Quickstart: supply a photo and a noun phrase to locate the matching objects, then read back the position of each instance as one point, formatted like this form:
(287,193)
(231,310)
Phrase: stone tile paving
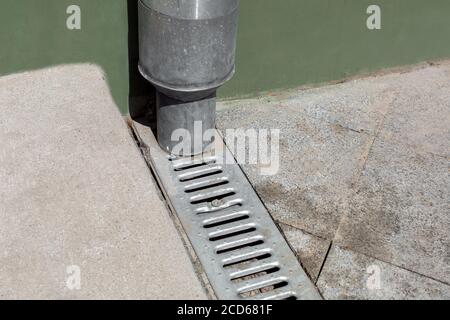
(317,166)
(364,165)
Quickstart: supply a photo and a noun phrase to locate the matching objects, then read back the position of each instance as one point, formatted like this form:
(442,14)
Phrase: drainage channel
(242,251)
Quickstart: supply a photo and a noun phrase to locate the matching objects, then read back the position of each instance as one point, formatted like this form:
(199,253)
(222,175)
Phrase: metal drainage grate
(241,249)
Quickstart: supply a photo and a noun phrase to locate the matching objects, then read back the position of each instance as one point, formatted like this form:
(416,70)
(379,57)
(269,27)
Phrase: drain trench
(240,248)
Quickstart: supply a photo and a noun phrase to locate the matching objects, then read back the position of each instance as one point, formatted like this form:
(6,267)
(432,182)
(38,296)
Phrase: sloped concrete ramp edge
(80,216)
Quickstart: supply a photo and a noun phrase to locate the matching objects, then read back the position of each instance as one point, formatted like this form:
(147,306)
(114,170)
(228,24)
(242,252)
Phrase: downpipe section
(187,51)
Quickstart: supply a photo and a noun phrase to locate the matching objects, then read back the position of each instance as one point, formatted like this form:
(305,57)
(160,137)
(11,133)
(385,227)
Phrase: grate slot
(234,231)
(249,244)
(277,294)
(224,219)
(245,261)
(257,252)
(200,173)
(249,238)
(228,204)
(182,165)
(265,282)
(206,184)
(210,196)
(253,268)
(230,228)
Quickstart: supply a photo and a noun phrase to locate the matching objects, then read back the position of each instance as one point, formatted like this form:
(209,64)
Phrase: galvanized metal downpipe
(187,51)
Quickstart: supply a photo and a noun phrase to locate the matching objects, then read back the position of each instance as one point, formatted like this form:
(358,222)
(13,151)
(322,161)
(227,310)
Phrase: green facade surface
(288,43)
(281,43)
(33,34)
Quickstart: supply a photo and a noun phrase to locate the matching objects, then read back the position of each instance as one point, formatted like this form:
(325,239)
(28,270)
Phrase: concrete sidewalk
(77,200)
(363,189)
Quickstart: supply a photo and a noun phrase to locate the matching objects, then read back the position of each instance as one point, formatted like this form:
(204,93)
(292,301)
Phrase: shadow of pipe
(141,99)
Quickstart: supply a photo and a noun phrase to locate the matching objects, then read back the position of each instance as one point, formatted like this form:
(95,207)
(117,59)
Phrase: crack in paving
(324,261)
(365,157)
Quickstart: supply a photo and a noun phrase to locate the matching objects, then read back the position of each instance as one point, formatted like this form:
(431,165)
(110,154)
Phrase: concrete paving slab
(350,275)
(310,249)
(78,206)
(318,162)
(401,210)
(420,116)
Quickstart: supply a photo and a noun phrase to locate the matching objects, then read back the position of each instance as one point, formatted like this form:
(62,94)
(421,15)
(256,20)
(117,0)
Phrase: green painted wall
(287,43)
(281,44)
(33,34)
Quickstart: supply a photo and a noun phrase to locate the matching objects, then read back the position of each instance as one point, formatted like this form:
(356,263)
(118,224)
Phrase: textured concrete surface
(400,210)
(75,191)
(364,164)
(419,118)
(350,275)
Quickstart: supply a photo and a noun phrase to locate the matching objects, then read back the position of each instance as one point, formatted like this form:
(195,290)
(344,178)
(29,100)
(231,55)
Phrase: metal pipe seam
(193,9)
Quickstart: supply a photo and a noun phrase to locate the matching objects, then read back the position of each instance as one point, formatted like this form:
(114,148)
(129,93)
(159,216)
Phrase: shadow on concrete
(142,93)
